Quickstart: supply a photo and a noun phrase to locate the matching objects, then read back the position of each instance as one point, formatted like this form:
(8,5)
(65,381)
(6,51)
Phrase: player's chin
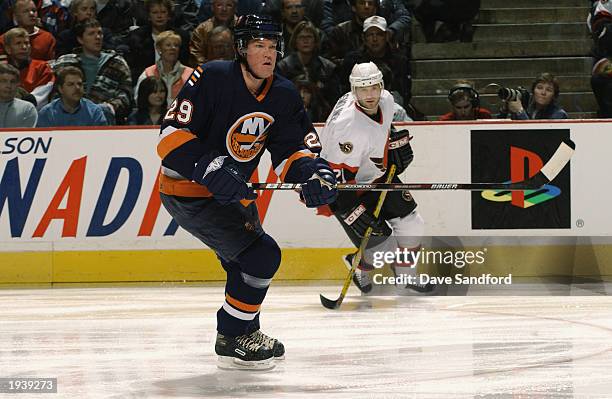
(266,69)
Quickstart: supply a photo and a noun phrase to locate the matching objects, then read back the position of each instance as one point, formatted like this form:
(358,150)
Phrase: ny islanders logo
(246,137)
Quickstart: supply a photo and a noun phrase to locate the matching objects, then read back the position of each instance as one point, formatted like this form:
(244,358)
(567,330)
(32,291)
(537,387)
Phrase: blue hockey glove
(223,180)
(320,188)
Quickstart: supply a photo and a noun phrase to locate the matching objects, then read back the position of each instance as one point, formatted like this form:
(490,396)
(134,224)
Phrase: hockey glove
(400,152)
(359,219)
(320,188)
(223,179)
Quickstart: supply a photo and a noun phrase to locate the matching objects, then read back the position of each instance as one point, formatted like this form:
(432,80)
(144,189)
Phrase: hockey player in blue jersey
(211,140)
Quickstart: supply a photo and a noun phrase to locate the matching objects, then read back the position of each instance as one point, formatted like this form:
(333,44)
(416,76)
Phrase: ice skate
(278,349)
(243,353)
(361,278)
(416,286)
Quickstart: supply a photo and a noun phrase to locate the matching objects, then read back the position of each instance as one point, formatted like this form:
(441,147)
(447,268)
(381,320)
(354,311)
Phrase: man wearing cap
(394,65)
(347,35)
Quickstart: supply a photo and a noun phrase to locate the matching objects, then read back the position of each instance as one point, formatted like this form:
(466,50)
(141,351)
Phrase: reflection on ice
(158,342)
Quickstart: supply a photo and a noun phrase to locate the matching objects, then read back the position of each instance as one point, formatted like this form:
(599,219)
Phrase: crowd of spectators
(118,45)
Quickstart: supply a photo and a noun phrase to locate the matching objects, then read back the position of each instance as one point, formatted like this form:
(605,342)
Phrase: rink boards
(82,206)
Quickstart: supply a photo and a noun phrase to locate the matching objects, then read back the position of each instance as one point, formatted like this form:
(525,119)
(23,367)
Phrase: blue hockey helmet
(250,27)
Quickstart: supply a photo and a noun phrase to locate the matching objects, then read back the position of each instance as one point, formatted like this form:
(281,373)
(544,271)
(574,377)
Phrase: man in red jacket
(26,17)
(36,76)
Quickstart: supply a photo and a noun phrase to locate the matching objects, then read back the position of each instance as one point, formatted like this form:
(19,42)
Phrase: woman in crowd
(168,68)
(142,41)
(306,61)
(543,102)
(151,102)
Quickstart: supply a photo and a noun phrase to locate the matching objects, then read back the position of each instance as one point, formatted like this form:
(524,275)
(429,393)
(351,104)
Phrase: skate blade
(232,363)
(279,357)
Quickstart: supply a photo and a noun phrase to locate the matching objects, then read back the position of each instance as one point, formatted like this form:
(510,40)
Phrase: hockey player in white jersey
(359,143)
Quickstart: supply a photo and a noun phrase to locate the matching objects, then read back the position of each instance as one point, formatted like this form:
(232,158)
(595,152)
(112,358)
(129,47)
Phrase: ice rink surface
(145,342)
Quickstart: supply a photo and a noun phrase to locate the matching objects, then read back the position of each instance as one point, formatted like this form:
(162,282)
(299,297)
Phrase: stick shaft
(404,186)
(549,171)
(364,243)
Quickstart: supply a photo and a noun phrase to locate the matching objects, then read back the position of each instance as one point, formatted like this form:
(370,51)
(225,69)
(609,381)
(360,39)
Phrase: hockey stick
(331,304)
(548,172)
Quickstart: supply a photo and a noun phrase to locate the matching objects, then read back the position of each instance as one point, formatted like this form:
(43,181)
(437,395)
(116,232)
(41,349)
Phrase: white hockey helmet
(366,74)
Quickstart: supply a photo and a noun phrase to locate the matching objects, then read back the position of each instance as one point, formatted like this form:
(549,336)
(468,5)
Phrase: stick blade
(560,158)
(329,304)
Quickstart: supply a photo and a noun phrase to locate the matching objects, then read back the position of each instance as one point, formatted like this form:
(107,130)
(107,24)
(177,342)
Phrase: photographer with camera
(541,104)
(465,103)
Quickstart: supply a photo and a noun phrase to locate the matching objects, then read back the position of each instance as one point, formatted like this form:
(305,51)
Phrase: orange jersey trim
(245,307)
(295,156)
(181,187)
(173,141)
(265,90)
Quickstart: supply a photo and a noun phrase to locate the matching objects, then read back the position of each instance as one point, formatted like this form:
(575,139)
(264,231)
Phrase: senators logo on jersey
(246,137)
(346,148)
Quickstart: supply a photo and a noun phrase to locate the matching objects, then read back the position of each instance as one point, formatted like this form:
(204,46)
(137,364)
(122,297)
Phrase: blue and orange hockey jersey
(216,114)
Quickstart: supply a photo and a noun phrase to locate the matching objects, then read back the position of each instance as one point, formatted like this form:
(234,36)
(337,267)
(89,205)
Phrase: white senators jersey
(353,143)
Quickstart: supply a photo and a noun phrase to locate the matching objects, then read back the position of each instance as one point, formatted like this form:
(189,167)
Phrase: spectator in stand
(600,25)
(53,14)
(542,103)
(243,7)
(224,13)
(400,114)
(293,12)
(220,44)
(337,11)
(108,81)
(313,10)
(13,111)
(446,20)
(22,94)
(6,15)
(375,48)
(306,61)
(80,10)
(168,68)
(71,109)
(316,107)
(42,42)
(184,14)
(35,76)
(151,102)
(348,35)
(465,103)
(116,15)
(141,42)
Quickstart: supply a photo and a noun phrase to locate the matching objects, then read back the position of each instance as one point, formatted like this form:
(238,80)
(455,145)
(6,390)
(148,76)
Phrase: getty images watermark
(423,256)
